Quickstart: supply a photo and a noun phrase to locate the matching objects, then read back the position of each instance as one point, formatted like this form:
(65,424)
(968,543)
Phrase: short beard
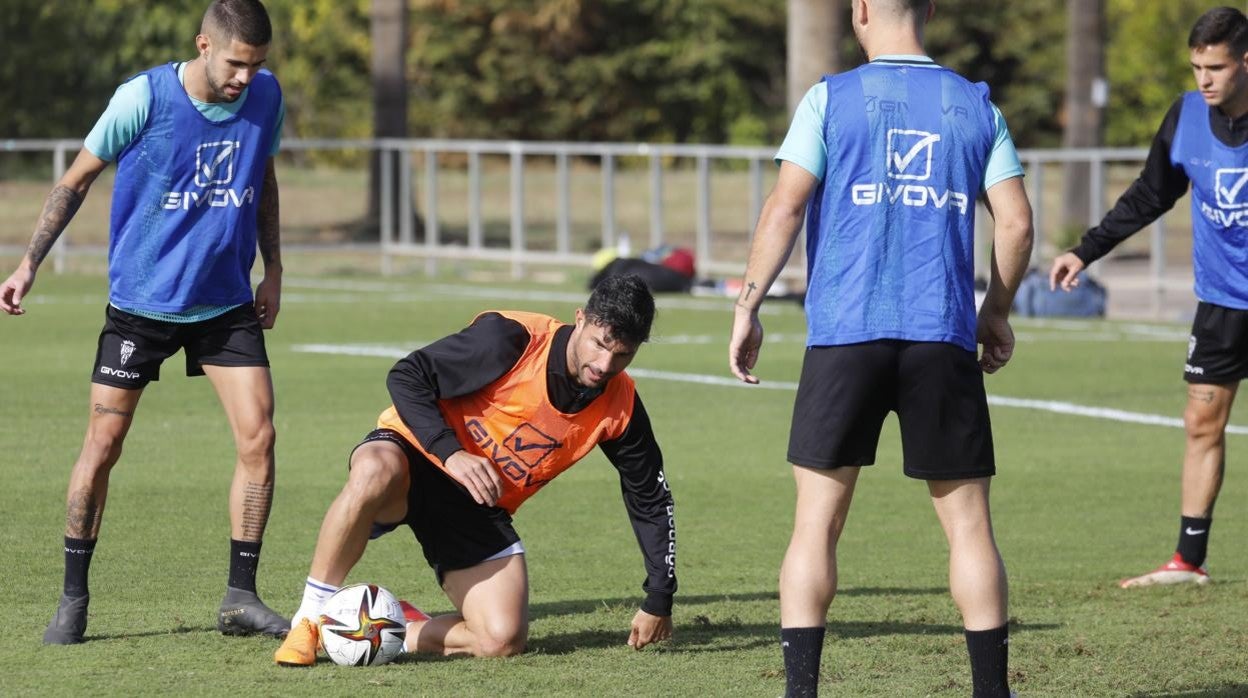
(218,91)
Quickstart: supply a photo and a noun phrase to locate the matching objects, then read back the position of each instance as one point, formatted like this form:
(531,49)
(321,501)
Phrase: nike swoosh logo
(1189,530)
(1233,193)
(901,163)
(225,153)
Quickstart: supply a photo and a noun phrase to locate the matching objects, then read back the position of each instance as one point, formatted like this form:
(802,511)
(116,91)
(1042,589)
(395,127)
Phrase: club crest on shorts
(127,349)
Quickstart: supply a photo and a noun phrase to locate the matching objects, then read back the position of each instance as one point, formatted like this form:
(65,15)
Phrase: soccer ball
(362,625)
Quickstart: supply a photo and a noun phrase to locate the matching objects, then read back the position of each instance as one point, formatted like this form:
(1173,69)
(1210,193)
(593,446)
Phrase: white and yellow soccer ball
(362,625)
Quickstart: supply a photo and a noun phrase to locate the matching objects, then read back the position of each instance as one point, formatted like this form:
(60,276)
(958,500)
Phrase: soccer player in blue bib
(1203,141)
(195,194)
(886,161)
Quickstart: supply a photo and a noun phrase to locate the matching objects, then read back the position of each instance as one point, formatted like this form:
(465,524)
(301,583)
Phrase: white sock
(315,594)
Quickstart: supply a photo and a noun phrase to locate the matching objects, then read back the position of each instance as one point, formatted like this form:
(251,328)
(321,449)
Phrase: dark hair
(244,20)
(1221,25)
(624,305)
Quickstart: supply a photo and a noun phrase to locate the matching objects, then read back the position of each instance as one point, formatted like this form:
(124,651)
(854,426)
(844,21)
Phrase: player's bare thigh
(246,394)
(380,473)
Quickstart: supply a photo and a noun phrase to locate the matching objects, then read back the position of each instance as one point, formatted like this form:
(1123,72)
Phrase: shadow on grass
(1229,690)
(578,606)
(699,632)
(180,630)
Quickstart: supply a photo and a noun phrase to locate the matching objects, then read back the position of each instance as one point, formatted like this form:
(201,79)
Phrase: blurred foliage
(1018,49)
(606,70)
(1147,62)
(589,70)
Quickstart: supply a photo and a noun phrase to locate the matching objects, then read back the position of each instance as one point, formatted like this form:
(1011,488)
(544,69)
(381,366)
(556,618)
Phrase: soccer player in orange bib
(481,420)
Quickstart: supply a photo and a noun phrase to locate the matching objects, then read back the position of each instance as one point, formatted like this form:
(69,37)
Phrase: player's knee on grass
(502,639)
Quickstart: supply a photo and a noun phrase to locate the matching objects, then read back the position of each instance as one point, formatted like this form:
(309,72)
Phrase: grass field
(1079,502)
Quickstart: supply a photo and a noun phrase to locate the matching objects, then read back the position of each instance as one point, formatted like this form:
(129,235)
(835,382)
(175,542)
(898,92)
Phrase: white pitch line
(1055,406)
(403,293)
(385,351)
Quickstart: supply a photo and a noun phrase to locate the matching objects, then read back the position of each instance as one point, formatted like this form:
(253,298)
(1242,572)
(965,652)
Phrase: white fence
(420,166)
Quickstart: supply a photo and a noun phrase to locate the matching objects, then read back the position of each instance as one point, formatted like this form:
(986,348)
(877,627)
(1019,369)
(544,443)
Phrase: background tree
(388,24)
(643,70)
(613,70)
(814,32)
(1085,99)
(1016,48)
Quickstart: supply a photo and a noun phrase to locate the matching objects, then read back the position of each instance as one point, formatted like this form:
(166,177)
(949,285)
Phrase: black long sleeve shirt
(469,360)
(1159,185)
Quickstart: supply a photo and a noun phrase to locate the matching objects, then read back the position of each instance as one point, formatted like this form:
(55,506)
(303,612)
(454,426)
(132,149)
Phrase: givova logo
(214,163)
(522,450)
(908,157)
(1231,185)
(214,172)
(910,153)
(530,445)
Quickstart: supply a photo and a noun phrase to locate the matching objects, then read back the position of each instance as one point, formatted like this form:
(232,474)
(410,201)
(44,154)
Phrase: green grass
(1078,503)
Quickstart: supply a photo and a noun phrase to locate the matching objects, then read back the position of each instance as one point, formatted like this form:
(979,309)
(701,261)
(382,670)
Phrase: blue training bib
(1219,177)
(186,197)
(890,229)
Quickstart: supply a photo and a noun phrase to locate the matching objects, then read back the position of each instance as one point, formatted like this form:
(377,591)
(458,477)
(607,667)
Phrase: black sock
(802,649)
(1193,539)
(77,563)
(244,559)
(989,650)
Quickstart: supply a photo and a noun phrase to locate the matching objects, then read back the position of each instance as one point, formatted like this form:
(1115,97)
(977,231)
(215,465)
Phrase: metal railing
(719,247)
(397,235)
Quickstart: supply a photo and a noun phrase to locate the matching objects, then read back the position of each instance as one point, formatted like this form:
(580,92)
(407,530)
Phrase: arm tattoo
(104,409)
(750,288)
(257,500)
(267,219)
(60,206)
(82,518)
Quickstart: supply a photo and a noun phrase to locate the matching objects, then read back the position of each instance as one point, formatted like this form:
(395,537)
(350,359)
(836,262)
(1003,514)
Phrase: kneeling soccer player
(481,420)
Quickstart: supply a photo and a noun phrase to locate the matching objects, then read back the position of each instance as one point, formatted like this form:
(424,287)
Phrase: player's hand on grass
(649,628)
(268,301)
(1065,272)
(995,333)
(14,289)
(477,475)
(747,339)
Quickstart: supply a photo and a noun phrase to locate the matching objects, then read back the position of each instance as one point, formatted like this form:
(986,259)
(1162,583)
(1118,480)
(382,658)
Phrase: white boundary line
(1055,406)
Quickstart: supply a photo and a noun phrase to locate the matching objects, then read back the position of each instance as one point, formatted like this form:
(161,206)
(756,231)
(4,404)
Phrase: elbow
(1019,234)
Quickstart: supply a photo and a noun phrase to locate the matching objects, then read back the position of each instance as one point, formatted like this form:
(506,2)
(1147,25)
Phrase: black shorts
(936,389)
(453,530)
(131,348)
(1217,351)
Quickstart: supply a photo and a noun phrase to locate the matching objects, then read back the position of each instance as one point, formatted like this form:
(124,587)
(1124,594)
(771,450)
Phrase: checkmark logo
(530,445)
(214,163)
(521,445)
(1229,182)
(1193,532)
(905,146)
